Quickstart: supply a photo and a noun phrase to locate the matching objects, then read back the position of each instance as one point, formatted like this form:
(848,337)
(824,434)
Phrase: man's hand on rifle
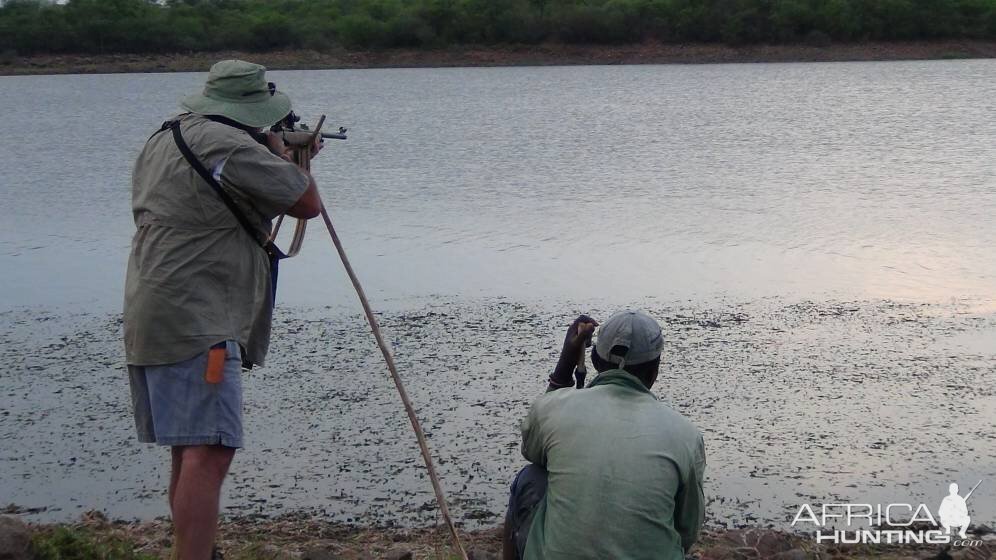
(317,146)
(275,142)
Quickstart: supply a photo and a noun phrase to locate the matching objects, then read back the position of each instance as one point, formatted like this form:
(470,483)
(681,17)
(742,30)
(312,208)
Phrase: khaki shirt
(625,473)
(195,276)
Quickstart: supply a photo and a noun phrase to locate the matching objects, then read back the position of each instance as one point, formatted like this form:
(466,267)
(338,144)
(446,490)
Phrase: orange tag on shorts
(215,372)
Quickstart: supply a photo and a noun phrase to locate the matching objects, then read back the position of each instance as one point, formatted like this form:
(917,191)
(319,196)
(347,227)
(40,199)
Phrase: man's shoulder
(202,129)
(677,422)
(553,399)
(204,136)
(583,401)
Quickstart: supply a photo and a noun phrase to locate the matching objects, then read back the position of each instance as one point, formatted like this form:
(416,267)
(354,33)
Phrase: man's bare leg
(507,545)
(176,454)
(196,499)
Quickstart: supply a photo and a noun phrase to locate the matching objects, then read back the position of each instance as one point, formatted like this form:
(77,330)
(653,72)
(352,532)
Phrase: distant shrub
(817,38)
(518,23)
(408,30)
(590,24)
(360,31)
(273,31)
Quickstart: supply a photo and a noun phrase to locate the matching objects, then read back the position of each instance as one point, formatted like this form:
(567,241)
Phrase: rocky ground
(522,55)
(299,537)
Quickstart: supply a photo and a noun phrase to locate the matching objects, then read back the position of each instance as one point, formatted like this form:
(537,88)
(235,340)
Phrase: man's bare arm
(310,203)
(577,338)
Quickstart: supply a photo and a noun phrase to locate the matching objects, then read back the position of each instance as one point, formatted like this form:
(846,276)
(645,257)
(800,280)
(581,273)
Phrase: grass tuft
(71,543)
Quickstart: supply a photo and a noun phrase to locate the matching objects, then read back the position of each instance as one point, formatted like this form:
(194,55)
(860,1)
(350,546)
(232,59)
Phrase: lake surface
(856,180)
(818,239)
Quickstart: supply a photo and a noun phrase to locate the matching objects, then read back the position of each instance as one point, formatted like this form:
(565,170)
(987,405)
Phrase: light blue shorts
(174,405)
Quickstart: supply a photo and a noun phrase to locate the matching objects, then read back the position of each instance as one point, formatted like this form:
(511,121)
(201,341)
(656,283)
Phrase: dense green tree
(138,26)
(840,19)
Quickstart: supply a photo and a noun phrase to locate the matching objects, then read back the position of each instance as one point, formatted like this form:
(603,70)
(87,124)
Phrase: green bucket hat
(237,90)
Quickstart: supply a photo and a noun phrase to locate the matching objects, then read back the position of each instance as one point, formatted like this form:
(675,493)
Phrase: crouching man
(615,473)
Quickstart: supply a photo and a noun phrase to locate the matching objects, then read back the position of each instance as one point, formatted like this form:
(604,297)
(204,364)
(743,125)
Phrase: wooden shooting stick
(423,445)
(375,327)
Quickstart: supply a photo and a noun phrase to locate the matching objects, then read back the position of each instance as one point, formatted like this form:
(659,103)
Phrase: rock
(982,552)
(399,553)
(272,552)
(319,553)
(15,539)
(481,554)
(749,544)
(794,554)
(94,517)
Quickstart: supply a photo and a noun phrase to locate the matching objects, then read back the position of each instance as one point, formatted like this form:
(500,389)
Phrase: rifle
(972,490)
(300,139)
(297,135)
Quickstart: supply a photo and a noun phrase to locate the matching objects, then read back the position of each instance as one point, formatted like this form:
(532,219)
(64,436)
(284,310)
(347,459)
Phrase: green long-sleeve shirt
(625,473)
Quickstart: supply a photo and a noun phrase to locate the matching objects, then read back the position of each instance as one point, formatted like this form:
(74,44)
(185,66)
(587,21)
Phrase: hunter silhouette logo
(893,523)
(953,511)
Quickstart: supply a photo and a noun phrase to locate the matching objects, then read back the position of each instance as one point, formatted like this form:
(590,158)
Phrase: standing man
(199,293)
(615,473)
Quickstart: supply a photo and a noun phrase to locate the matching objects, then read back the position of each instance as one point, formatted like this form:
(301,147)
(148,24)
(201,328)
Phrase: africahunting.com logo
(900,523)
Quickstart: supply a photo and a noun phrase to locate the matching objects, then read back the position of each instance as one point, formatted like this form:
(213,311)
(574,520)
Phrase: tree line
(149,26)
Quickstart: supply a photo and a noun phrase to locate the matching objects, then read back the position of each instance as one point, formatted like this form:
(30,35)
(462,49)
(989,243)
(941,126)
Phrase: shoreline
(311,435)
(298,537)
(548,54)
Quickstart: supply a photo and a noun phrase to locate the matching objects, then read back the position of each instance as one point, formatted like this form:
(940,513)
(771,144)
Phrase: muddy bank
(298,537)
(524,55)
(873,402)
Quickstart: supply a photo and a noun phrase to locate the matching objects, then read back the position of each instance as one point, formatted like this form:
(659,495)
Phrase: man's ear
(653,376)
(600,364)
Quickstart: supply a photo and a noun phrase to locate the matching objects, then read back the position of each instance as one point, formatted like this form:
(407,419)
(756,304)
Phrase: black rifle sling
(206,175)
(273,253)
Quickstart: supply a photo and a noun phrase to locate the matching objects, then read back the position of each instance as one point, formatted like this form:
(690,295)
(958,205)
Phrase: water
(853,180)
(786,192)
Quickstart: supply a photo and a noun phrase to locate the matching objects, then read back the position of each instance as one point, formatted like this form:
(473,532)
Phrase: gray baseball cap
(635,331)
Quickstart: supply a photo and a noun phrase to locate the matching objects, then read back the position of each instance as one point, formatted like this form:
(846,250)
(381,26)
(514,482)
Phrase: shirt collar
(621,378)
